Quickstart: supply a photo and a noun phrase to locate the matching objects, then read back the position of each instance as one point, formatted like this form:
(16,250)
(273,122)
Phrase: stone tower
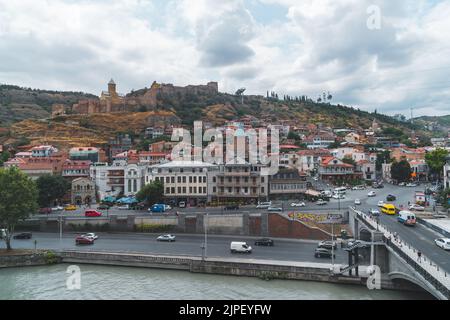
(112,88)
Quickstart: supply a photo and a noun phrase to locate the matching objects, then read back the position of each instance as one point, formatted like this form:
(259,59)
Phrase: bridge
(397,259)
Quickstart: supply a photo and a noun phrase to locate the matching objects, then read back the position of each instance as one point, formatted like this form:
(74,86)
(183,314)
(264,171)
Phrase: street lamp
(205,243)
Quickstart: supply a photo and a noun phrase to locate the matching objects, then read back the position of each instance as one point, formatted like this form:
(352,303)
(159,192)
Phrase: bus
(388,209)
(407,218)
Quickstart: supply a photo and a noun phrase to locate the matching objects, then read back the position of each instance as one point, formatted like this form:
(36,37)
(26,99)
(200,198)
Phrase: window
(172,179)
(214,179)
(179,180)
(190,179)
(167,190)
(195,179)
(184,189)
(179,189)
(167,179)
(184,179)
(172,190)
(214,189)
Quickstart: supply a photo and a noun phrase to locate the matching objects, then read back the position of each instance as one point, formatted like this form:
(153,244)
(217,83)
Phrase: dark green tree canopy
(401,171)
(51,188)
(436,160)
(151,193)
(18,199)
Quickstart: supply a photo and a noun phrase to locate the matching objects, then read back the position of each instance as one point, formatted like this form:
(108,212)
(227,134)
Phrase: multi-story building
(419,170)
(322,140)
(83,191)
(447,173)
(241,181)
(367,169)
(87,154)
(151,158)
(310,159)
(73,169)
(134,178)
(409,154)
(187,181)
(336,171)
(287,183)
(109,179)
(119,144)
(43,151)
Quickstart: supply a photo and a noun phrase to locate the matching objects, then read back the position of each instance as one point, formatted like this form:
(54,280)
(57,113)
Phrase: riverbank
(26,258)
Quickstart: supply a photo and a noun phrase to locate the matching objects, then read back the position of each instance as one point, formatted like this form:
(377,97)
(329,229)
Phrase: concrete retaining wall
(27,259)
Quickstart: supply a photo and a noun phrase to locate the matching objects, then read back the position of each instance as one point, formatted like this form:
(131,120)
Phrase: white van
(240,247)
(2,233)
(340,190)
(407,218)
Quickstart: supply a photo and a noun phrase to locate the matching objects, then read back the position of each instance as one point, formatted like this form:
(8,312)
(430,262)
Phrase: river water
(108,282)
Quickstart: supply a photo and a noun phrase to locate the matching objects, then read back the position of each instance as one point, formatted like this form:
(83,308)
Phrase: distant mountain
(17,103)
(443,121)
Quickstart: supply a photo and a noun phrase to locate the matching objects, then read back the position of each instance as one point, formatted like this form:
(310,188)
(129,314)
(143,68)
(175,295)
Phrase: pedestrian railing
(430,271)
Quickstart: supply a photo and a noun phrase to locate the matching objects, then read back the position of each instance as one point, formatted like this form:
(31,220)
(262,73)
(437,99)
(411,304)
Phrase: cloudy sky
(296,47)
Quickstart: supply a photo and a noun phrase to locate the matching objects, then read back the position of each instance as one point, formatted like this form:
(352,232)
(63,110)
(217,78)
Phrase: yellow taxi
(70,207)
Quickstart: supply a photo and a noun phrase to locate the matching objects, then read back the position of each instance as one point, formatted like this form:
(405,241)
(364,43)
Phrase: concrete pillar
(130,223)
(113,223)
(265,224)
(382,258)
(182,223)
(199,225)
(356,229)
(245,224)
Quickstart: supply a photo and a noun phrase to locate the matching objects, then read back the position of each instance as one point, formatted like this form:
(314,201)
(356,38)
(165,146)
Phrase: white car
(321,202)
(298,204)
(380,203)
(57,208)
(166,237)
(167,207)
(338,196)
(374,212)
(411,185)
(443,243)
(124,207)
(264,205)
(91,235)
(416,207)
(372,194)
(275,209)
(357,201)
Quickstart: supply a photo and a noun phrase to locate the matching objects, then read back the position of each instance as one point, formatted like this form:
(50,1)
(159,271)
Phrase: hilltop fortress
(111,101)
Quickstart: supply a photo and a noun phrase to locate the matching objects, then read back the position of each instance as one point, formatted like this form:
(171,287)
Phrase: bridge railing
(431,271)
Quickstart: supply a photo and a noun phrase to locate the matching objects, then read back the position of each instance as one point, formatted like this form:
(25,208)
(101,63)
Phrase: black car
(232,207)
(323,253)
(264,242)
(25,235)
(391,197)
(327,244)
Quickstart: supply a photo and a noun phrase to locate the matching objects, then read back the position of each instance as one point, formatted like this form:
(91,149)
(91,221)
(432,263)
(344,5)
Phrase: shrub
(153,227)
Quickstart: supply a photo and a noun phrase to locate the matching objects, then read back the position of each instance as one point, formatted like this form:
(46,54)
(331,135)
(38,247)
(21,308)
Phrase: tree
(51,188)
(18,199)
(382,157)
(4,156)
(436,161)
(349,160)
(152,192)
(401,171)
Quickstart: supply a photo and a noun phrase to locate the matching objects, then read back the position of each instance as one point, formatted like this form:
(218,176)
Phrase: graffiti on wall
(316,217)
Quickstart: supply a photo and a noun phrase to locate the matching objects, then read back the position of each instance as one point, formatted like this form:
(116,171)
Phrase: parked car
(92,213)
(264,205)
(231,207)
(57,208)
(275,209)
(357,202)
(264,242)
(45,210)
(124,207)
(443,243)
(167,207)
(416,207)
(24,235)
(166,237)
(323,253)
(391,197)
(380,203)
(91,235)
(327,244)
(361,187)
(374,212)
(157,207)
(402,184)
(298,204)
(372,194)
(182,204)
(240,247)
(83,240)
(103,207)
(411,184)
(338,196)
(70,207)
(321,202)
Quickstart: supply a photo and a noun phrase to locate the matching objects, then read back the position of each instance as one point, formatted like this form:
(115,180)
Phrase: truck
(240,247)
(420,198)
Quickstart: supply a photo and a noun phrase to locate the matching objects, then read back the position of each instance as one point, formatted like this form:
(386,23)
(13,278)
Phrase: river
(108,282)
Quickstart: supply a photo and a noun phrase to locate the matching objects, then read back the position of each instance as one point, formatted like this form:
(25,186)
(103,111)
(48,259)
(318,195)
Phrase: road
(218,246)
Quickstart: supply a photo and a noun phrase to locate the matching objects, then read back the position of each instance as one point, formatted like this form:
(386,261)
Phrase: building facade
(83,191)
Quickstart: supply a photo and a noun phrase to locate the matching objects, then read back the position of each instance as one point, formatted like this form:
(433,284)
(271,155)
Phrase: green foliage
(4,156)
(151,193)
(382,157)
(51,188)
(50,257)
(18,199)
(436,160)
(443,198)
(401,171)
(349,160)
(142,227)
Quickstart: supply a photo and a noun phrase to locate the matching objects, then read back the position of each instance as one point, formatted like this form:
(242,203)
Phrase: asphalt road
(218,246)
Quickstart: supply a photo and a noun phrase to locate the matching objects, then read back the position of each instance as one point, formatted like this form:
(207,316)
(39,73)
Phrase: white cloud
(320,45)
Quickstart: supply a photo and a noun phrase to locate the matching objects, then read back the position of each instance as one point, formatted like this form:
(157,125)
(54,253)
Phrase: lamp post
(205,243)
